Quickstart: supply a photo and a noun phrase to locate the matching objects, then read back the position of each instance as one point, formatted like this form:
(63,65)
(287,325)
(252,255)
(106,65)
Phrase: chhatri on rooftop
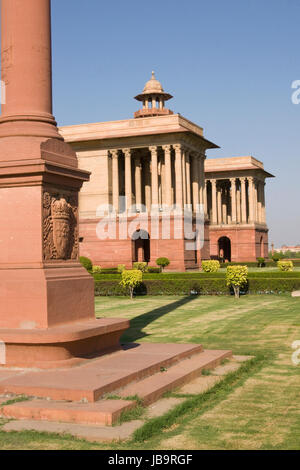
(152,119)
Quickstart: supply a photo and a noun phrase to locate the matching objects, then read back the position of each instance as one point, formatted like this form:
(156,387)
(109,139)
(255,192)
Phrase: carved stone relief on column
(60,226)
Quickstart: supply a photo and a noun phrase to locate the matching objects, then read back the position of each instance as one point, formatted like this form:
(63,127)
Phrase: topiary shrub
(210,266)
(131,278)
(141,266)
(163,262)
(121,268)
(237,278)
(86,263)
(261,262)
(285,265)
(97,269)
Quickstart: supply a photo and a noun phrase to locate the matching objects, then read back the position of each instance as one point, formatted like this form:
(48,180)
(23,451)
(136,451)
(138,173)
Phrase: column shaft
(219,201)
(154,175)
(138,183)
(244,201)
(251,200)
(128,178)
(214,201)
(26,69)
(184,184)
(115,179)
(178,175)
(195,181)
(188,178)
(168,175)
(233,201)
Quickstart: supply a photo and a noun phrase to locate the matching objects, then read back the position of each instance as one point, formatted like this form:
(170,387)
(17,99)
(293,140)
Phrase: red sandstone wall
(245,242)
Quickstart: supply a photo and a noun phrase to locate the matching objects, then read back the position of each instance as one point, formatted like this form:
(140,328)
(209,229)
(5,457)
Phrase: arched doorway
(141,246)
(224,245)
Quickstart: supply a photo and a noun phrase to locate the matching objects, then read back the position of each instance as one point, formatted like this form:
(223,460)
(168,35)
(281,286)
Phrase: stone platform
(97,392)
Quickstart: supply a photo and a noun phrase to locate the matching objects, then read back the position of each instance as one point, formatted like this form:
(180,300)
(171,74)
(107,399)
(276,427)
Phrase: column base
(61,346)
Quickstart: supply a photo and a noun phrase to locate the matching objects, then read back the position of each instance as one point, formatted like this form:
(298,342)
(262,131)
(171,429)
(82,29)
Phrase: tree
(131,278)
(162,262)
(237,277)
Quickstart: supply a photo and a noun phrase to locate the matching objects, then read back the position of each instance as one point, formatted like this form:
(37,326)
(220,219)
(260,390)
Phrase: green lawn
(257,408)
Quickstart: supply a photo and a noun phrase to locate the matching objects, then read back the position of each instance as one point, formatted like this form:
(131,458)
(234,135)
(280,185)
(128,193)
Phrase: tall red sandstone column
(46,296)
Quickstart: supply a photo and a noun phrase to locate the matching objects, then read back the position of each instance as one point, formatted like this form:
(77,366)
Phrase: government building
(148,173)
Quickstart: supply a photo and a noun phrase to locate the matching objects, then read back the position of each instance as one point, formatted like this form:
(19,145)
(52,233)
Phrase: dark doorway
(141,246)
(224,249)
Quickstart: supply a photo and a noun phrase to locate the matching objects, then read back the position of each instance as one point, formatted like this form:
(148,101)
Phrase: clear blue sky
(229,65)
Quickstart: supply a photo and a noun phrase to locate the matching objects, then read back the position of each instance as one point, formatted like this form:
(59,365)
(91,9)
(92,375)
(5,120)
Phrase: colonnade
(235,200)
(157,176)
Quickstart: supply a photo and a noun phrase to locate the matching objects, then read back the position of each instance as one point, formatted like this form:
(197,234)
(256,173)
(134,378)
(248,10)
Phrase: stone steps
(100,376)
(104,412)
(107,411)
(152,388)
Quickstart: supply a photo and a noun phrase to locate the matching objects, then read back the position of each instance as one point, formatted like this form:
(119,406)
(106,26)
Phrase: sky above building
(229,65)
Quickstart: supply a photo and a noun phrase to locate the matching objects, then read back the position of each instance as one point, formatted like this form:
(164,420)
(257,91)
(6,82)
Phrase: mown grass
(256,407)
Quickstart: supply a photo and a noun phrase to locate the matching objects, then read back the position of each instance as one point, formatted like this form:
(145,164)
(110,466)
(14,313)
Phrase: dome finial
(153,75)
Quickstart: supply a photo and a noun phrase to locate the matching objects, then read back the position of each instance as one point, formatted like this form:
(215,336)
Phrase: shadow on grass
(137,324)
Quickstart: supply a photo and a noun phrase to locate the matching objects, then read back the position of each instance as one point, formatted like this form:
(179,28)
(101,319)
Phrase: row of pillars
(243,201)
(189,182)
(156,102)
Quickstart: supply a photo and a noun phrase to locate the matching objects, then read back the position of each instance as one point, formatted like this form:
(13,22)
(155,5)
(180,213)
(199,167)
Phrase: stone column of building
(128,178)
(238,203)
(168,176)
(259,201)
(255,191)
(138,183)
(214,216)
(243,201)
(224,199)
(251,200)
(188,178)
(154,175)
(115,179)
(205,199)
(184,181)
(219,202)
(201,178)
(178,175)
(147,182)
(263,203)
(233,201)
(195,180)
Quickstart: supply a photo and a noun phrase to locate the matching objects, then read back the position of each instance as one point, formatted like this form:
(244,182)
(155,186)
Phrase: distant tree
(163,262)
(236,277)
(131,278)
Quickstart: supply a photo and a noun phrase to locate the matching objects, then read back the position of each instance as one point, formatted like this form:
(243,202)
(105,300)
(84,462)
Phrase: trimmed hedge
(201,276)
(211,286)
(166,287)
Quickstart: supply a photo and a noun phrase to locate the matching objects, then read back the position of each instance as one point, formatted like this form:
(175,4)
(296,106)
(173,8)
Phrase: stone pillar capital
(177,147)
(114,153)
(166,148)
(127,152)
(213,182)
(242,179)
(153,148)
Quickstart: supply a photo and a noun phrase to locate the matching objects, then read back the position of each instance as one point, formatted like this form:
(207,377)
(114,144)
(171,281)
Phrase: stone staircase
(99,391)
